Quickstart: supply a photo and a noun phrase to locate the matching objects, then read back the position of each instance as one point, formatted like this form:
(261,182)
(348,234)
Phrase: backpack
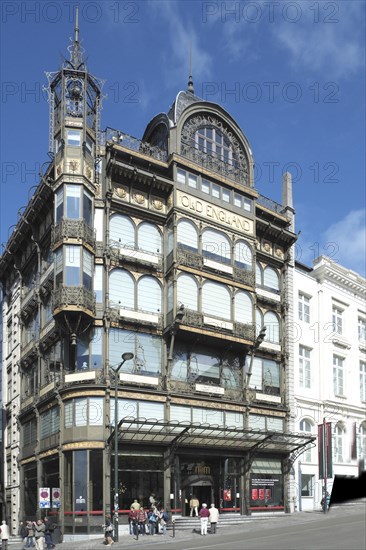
(166,516)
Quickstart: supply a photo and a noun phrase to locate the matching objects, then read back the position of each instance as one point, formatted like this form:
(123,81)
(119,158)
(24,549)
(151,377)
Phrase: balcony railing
(270,204)
(134,144)
(214,164)
(73,229)
(73,296)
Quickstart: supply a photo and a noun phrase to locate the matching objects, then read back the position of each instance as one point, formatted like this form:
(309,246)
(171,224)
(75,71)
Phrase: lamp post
(125,357)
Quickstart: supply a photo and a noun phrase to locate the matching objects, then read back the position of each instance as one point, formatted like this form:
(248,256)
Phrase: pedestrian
(152,520)
(135,505)
(204,515)
(214,518)
(4,533)
(48,531)
(141,520)
(108,531)
(30,535)
(132,520)
(164,518)
(193,504)
(22,532)
(39,529)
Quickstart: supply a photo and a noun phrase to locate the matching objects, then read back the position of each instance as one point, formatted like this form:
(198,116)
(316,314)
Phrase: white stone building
(329,349)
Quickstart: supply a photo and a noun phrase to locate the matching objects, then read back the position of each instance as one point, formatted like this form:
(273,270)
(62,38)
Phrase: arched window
(271,279)
(307,427)
(187,292)
(243,308)
(149,238)
(121,231)
(243,255)
(258,275)
(149,294)
(211,140)
(216,300)
(273,327)
(187,235)
(339,442)
(121,289)
(216,246)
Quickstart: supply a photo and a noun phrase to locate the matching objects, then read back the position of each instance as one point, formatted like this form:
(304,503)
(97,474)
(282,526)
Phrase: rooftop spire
(76,52)
(190,87)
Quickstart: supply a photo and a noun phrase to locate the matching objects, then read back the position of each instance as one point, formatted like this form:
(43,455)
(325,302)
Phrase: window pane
(73,201)
(271,279)
(59,204)
(215,191)
(216,246)
(180,413)
(149,238)
(82,354)
(243,255)
(121,289)
(98,283)
(87,269)
(72,266)
(73,137)
(81,412)
(96,348)
(88,208)
(216,300)
(187,235)
(273,328)
(205,367)
(149,295)
(243,308)
(95,411)
(225,195)
(187,292)
(121,231)
(181,176)
(205,186)
(192,181)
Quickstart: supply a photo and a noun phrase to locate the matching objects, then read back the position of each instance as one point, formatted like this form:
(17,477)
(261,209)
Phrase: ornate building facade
(330,372)
(161,248)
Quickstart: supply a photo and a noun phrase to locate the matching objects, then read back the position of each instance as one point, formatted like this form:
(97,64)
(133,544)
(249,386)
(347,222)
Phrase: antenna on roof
(190,87)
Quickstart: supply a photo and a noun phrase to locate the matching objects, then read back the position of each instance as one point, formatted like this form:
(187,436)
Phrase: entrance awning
(167,433)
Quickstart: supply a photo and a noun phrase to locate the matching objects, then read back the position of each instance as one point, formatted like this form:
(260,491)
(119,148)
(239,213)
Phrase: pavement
(191,539)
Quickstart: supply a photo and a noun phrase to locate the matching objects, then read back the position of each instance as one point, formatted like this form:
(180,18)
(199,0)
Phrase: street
(343,528)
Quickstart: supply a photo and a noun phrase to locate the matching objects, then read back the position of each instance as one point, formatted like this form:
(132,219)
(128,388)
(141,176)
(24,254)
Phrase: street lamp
(125,357)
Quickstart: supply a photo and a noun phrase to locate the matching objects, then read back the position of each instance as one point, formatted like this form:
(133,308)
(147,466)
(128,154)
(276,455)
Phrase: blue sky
(291,73)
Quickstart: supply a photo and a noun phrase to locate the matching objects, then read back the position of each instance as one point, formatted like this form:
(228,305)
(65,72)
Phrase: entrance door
(204,494)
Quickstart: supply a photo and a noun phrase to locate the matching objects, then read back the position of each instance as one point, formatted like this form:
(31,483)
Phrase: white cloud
(325,42)
(345,241)
(180,38)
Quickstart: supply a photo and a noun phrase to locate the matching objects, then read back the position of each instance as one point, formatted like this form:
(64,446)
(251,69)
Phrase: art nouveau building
(163,248)
(330,370)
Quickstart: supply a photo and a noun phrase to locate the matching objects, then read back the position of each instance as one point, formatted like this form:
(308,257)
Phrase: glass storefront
(141,474)
(266,484)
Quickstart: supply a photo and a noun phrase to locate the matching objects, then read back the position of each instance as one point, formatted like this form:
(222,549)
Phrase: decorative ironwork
(238,170)
(270,204)
(134,144)
(246,331)
(134,255)
(77,296)
(192,318)
(73,229)
(244,276)
(188,258)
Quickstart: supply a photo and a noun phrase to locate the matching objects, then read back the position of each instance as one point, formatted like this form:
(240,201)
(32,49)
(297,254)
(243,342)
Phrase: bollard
(173,523)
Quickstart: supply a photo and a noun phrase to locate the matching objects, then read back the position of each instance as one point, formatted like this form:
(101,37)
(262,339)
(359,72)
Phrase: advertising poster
(254,494)
(227,494)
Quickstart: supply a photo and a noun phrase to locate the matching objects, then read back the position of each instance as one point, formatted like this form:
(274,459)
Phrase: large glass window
(271,279)
(307,485)
(84,411)
(187,235)
(304,367)
(87,269)
(306,427)
(273,327)
(265,376)
(243,307)
(304,308)
(216,300)
(243,255)
(50,422)
(149,238)
(339,442)
(216,246)
(337,318)
(187,291)
(72,202)
(121,231)
(72,265)
(121,289)
(338,375)
(149,294)
(361,329)
(145,347)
